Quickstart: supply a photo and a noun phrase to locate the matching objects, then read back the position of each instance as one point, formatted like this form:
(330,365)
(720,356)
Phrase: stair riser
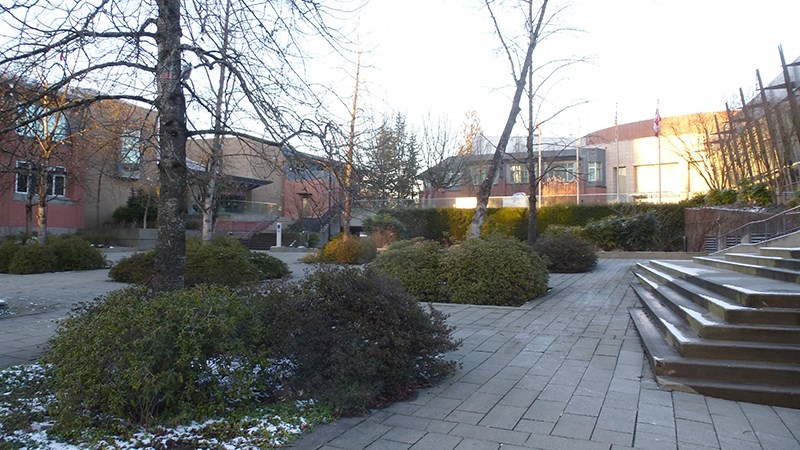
(753,300)
(727,373)
(787,399)
(737,316)
(780,252)
(722,332)
(791,264)
(760,271)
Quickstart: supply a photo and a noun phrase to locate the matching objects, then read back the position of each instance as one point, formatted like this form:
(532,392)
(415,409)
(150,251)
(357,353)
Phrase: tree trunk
(479,216)
(215,164)
(41,214)
(170,258)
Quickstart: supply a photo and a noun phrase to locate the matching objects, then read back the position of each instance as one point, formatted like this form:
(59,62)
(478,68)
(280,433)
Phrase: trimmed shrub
(635,233)
(145,357)
(72,252)
(135,269)
(8,249)
(348,251)
(223,261)
(269,266)
(32,258)
(566,253)
(508,222)
(354,339)
(493,270)
(415,264)
(720,197)
(383,228)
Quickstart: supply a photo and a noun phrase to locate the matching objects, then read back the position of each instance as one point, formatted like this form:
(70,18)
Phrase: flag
(657,123)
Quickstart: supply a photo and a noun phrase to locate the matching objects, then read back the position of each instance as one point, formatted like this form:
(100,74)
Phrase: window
(595,172)
(52,126)
(480,173)
(27,176)
(517,174)
(130,148)
(563,171)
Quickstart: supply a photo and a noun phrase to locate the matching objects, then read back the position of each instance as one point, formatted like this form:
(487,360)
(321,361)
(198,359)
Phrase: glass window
(51,126)
(131,148)
(562,171)
(27,174)
(595,171)
(517,174)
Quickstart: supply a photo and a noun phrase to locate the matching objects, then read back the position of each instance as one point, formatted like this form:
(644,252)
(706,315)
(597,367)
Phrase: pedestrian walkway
(566,371)
(563,372)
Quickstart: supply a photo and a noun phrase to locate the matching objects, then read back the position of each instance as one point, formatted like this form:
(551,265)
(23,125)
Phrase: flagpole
(616,141)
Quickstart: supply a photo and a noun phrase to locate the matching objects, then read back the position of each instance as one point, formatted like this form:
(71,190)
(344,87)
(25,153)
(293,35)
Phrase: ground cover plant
(217,367)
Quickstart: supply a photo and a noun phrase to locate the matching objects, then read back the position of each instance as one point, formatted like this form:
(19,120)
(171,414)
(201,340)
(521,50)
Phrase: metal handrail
(761,230)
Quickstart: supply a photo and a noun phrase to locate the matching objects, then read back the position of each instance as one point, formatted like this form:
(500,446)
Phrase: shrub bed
(147,357)
(493,270)
(416,265)
(223,261)
(346,251)
(566,253)
(354,339)
(59,254)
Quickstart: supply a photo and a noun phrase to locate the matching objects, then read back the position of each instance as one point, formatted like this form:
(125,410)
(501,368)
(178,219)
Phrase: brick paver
(563,372)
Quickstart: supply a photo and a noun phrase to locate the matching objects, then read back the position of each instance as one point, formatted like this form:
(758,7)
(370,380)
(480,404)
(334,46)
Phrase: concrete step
(690,340)
(782,252)
(763,260)
(724,308)
(730,379)
(744,289)
(792,276)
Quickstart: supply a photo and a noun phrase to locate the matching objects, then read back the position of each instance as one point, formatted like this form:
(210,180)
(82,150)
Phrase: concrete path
(563,372)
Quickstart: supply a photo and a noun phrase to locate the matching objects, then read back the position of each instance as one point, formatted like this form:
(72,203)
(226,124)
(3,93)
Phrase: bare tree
(534,28)
(445,153)
(146,51)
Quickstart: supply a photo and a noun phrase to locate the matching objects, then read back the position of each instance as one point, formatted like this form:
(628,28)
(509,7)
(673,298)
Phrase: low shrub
(493,270)
(415,264)
(269,266)
(32,258)
(348,251)
(566,253)
(8,249)
(135,269)
(223,261)
(72,252)
(384,229)
(353,339)
(640,232)
(146,357)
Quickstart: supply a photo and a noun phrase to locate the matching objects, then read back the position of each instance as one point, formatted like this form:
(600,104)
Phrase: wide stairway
(726,326)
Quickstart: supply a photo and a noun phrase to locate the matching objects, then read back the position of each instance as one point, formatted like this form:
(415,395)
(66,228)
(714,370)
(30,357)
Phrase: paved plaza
(566,371)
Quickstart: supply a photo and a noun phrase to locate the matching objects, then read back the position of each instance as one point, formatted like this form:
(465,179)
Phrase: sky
(441,59)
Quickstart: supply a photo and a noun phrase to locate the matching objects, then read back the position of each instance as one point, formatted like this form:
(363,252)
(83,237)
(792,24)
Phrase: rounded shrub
(72,252)
(348,251)
(8,249)
(32,258)
(135,269)
(353,339)
(223,261)
(566,253)
(493,270)
(416,265)
(142,357)
(384,228)
(268,266)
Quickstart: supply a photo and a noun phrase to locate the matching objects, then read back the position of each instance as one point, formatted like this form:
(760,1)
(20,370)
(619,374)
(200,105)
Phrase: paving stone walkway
(563,372)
